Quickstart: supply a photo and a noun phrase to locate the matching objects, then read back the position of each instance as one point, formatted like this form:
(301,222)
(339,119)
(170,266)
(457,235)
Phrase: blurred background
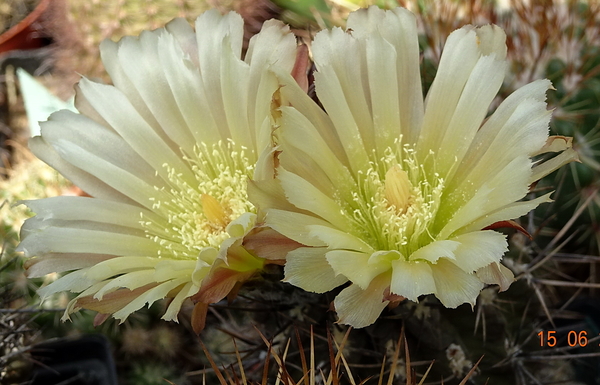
(46,45)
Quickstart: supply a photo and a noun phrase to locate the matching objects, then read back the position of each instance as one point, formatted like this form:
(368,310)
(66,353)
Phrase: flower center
(396,202)
(194,214)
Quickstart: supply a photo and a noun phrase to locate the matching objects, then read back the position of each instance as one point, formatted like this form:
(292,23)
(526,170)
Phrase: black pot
(83,361)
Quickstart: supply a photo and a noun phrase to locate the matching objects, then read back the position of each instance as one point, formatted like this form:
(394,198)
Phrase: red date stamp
(574,338)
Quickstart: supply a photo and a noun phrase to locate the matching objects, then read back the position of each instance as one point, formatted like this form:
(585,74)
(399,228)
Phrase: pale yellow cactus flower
(395,194)
(165,154)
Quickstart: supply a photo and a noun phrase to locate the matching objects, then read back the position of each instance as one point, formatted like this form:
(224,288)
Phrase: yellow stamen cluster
(396,202)
(196,212)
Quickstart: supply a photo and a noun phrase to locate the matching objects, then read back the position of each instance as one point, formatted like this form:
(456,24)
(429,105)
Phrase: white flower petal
(396,95)
(171,269)
(87,182)
(465,84)
(183,32)
(458,59)
(155,54)
(307,268)
(218,36)
(453,286)
(355,266)
(74,282)
(305,196)
(143,139)
(69,208)
(274,45)
(338,239)
(268,193)
(303,138)
(479,249)
(295,226)
(85,108)
(211,30)
(118,62)
(121,265)
(412,279)
(120,179)
(187,119)
(65,127)
(203,265)
(37,225)
(62,262)
(510,211)
(73,306)
(546,168)
(347,107)
(294,95)
(130,281)
(518,126)
(383,87)
(360,308)
(501,189)
(241,225)
(74,240)
(435,250)
(175,306)
(149,297)
(234,75)
(479,91)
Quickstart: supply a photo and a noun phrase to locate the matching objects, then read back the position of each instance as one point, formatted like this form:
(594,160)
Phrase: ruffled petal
(74,282)
(174,307)
(149,297)
(130,281)
(479,249)
(110,304)
(360,308)
(453,286)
